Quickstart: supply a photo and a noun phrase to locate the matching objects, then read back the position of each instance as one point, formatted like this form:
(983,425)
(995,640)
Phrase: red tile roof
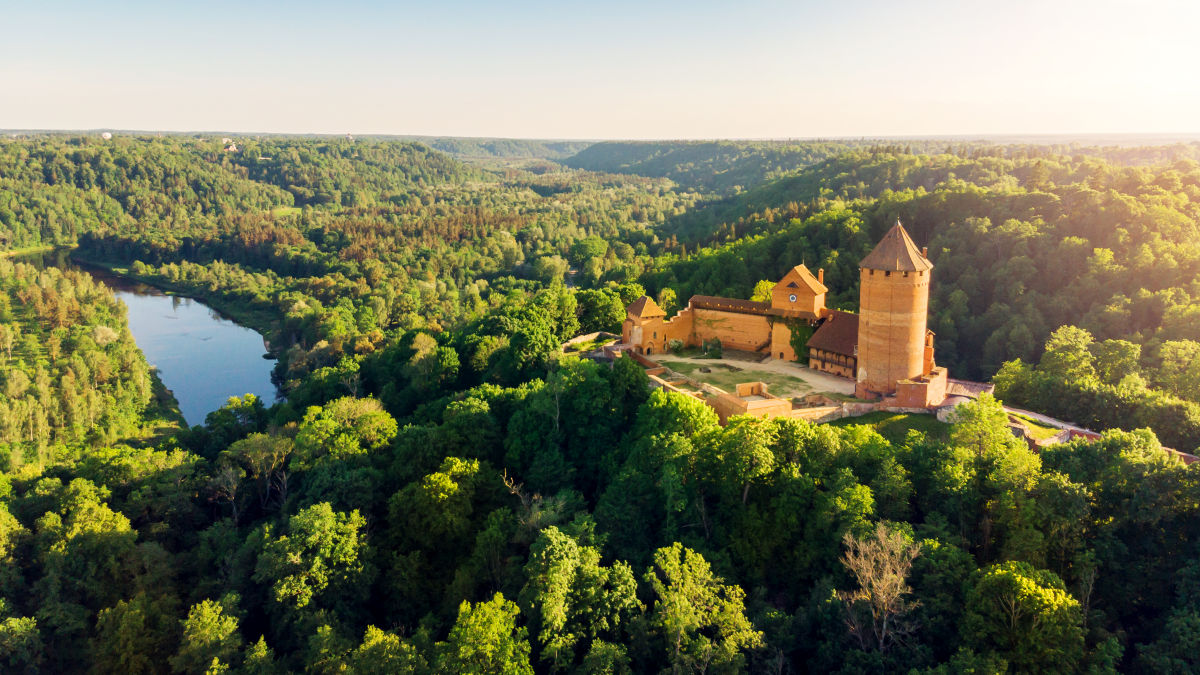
(837,334)
(800,273)
(645,308)
(729,304)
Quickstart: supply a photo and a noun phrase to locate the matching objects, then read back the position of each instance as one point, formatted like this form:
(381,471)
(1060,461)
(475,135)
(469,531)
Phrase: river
(200,355)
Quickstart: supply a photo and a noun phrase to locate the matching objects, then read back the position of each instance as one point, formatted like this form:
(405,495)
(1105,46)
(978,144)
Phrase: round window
(792,297)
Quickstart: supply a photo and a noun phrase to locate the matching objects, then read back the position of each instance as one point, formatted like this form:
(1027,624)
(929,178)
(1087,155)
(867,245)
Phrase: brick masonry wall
(891,328)
(807,303)
(682,328)
(736,331)
(781,342)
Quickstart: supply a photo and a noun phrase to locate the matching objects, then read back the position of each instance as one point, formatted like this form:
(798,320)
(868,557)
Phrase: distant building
(886,348)
(232,147)
(106,136)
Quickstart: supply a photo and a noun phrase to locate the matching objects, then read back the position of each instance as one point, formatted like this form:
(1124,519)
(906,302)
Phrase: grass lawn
(1039,431)
(895,426)
(691,353)
(724,377)
(26,251)
(588,346)
(844,398)
(286,210)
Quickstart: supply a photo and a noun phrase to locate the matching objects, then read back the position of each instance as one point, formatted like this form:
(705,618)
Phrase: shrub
(712,348)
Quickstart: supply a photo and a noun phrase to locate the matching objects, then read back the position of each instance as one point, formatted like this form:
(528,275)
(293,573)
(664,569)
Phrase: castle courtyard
(786,379)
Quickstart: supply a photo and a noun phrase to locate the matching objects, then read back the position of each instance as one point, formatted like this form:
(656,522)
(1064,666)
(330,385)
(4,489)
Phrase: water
(200,355)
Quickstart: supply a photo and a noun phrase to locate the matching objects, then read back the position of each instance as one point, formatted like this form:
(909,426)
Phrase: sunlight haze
(605,70)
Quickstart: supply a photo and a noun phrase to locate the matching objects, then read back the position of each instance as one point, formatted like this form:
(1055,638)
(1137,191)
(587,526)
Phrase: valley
(432,472)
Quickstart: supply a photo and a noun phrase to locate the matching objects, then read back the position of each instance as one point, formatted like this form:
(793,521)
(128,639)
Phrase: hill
(443,490)
(719,167)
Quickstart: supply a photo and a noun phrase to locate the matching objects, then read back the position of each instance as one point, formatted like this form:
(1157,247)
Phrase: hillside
(444,491)
(503,148)
(720,167)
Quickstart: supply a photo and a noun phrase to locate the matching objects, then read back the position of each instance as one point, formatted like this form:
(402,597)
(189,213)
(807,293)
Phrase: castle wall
(692,327)
(648,335)
(682,328)
(925,392)
(750,398)
(893,307)
(748,332)
(781,342)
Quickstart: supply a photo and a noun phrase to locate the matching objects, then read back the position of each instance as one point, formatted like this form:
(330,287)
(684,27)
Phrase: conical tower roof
(896,252)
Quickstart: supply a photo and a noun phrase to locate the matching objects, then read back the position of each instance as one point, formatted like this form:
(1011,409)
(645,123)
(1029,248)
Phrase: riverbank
(162,418)
(32,250)
(203,350)
(261,322)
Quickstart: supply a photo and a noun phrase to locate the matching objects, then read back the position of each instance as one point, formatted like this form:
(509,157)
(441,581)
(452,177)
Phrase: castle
(886,348)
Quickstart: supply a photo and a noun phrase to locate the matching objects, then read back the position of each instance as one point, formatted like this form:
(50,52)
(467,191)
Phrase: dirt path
(820,382)
(1046,419)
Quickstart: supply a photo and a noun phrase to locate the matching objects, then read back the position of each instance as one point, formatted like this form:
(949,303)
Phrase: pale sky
(569,69)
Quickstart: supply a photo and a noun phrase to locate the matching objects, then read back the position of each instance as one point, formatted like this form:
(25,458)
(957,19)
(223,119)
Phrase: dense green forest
(72,373)
(444,491)
(502,148)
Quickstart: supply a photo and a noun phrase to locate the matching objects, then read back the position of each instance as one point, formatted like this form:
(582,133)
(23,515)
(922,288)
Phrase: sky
(605,70)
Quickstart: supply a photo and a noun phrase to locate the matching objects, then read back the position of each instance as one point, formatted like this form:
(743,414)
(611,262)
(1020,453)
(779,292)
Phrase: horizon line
(1047,135)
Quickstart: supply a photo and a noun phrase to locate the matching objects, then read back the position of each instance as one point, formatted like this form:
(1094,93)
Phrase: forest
(444,490)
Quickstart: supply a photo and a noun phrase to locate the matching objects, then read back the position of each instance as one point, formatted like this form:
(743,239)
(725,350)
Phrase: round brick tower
(893,305)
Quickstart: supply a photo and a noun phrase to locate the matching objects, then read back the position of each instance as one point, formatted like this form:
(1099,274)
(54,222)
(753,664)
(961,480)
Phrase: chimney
(821,275)
(924,251)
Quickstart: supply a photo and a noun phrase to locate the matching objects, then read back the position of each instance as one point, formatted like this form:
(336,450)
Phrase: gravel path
(1046,419)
